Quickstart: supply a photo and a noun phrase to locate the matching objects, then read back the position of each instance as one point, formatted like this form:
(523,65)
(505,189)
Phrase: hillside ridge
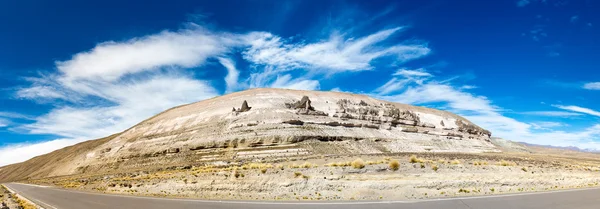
(259,123)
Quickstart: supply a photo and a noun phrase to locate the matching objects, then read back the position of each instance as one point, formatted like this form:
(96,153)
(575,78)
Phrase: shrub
(297,174)
(455,162)
(394,165)
(434,167)
(263,170)
(358,164)
(422,165)
(524,169)
(414,159)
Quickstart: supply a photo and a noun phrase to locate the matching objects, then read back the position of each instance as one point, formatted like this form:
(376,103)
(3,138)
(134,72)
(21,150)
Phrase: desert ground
(404,176)
(9,200)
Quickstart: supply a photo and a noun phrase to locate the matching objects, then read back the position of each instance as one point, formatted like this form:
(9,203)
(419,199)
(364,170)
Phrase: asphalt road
(53,198)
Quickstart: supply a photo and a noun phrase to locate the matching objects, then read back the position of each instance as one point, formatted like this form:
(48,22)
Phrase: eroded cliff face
(280,124)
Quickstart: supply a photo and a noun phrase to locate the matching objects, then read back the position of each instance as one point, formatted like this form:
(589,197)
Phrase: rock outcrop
(244,107)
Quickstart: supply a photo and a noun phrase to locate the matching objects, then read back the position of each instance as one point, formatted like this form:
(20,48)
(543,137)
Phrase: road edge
(21,197)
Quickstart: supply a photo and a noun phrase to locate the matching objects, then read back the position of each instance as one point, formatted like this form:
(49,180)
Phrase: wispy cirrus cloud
(337,54)
(546,125)
(231,80)
(578,109)
(552,113)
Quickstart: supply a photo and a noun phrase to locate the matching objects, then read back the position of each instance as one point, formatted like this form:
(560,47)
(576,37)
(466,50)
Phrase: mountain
(567,148)
(263,123)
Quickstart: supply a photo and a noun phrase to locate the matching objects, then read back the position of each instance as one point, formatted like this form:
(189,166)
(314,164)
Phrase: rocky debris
(472,129)
(244,107)
(304,108)
(294,122)
(173,150)
(401,114)
(105,150)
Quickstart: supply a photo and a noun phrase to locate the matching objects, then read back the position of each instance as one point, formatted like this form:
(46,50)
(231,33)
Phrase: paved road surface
(53,198)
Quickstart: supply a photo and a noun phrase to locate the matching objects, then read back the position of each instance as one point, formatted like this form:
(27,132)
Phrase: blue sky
(77,70)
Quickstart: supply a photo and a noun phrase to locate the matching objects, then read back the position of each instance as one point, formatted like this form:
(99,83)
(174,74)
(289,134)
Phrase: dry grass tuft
(415,159)
(506,163)
(394,165)
(455,162)
(306,165)
(358,164)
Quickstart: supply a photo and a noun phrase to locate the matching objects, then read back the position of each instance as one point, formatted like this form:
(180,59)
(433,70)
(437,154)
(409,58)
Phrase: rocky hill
(264,123)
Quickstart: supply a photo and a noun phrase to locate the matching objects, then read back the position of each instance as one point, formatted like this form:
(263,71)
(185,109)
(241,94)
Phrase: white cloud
(111,60)
(337,54)
(578,109)
(546,125)
(412,73)
(395,84)
(552,113)
(466,87)
(35,92)
(4,122)
(592,86)
(231,80)
(16,153)
(15,115)
(433,92)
